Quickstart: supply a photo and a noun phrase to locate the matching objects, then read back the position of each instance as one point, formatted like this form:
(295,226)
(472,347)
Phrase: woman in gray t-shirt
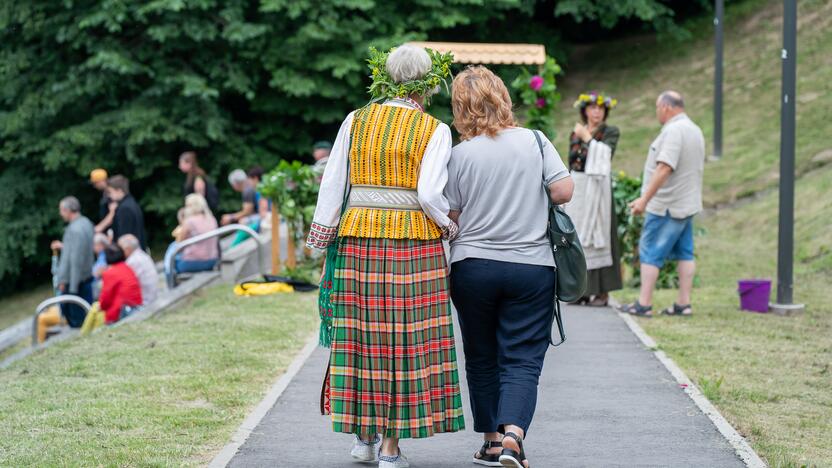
(502,275)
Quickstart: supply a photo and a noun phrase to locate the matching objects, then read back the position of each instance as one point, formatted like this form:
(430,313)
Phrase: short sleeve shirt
(681,146)
(497,185)
(250,196)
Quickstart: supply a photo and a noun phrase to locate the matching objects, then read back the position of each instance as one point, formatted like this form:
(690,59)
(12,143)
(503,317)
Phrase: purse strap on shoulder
(556,316)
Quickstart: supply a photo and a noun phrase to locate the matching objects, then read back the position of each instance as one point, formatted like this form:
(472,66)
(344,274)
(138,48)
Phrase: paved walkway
(604,400)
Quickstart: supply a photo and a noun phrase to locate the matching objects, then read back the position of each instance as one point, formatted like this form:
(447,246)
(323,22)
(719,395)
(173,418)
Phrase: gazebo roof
(469,52)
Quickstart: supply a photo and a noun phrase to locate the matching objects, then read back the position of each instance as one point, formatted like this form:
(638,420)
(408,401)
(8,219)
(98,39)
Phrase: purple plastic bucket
(754,294)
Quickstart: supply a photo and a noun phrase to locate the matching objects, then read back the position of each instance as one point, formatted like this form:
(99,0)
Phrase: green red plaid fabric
(393,368)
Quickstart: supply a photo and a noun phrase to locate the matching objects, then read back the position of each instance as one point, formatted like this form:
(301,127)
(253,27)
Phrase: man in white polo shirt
(142,265)
(671,194)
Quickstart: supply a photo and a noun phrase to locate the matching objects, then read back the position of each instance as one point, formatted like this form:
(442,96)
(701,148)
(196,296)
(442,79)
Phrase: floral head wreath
(383,85)
(595,98)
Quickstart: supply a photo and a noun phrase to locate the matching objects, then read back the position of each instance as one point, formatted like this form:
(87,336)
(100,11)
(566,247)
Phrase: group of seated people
(124,280)
(196,218)
(123,276)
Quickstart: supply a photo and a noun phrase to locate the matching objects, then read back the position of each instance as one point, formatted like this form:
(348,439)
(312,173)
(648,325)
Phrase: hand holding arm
(582,132)
(433,175)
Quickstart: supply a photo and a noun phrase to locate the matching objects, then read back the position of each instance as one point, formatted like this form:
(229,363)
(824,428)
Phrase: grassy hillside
(769,375)
(637,70)
(163,392)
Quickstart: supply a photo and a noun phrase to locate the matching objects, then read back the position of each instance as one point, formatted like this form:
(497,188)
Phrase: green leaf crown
(383,85)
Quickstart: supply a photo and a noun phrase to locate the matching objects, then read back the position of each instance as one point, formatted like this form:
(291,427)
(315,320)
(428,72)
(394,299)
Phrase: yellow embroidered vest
(388,143)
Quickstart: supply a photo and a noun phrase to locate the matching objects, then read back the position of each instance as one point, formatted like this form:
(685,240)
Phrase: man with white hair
(74,275)
(142,265)
(238,179)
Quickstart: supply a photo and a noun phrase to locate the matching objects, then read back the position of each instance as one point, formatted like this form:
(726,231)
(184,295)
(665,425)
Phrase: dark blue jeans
(505,313)
(74,314)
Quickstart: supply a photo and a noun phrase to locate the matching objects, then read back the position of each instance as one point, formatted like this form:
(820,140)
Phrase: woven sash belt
(390,198)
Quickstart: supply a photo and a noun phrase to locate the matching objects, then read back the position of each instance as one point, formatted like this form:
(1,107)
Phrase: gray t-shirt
(496,184)
(681,146)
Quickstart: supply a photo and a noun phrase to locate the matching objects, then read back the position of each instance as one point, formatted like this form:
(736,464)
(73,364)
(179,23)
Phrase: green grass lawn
(770,376)
(21,305)
(168,391)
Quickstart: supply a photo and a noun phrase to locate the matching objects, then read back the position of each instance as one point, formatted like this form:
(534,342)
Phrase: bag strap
(556,315)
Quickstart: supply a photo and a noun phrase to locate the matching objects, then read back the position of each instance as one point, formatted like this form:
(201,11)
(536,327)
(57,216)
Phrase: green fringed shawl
(325,307)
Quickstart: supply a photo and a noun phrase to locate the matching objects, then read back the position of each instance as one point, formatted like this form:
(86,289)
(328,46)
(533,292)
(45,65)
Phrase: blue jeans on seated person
(193,266)
(185,266)
(665,238)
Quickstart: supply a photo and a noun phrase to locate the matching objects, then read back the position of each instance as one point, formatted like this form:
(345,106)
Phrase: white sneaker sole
(509,462)
(363,459)
(477,461)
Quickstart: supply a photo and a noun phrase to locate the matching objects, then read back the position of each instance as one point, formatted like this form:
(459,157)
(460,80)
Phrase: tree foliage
(127,85)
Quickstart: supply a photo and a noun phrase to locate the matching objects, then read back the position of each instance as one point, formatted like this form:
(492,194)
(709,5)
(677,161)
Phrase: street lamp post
(785,240)
(718,39)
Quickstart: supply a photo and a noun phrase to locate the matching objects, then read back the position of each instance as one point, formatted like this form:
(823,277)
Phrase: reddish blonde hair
(481,103)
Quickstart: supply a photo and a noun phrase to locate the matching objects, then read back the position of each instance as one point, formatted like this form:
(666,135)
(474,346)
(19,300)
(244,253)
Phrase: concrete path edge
(737,441)
(253,419)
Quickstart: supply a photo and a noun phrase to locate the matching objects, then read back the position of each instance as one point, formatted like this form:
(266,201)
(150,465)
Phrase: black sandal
(581,302)
(511,458)
(482,457)
(636,309)
(678,310)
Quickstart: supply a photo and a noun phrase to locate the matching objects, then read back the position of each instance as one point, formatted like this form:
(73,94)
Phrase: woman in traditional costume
(591,148)
(385,307)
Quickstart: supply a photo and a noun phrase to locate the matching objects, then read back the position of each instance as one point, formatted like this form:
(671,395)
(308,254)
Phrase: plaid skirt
(393,368)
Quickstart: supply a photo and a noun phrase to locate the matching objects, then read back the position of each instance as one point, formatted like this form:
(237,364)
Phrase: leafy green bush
(624,190)
(293,188)
(539,94)
(129,85)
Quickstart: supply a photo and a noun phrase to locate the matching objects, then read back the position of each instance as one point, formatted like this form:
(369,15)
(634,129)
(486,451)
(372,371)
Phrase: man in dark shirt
(128,217)
(240,182)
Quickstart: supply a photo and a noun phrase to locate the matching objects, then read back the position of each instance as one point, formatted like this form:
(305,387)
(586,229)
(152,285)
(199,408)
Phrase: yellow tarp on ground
(262,289)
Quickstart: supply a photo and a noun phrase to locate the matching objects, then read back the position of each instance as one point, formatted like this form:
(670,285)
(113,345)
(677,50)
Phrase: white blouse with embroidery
(433,175)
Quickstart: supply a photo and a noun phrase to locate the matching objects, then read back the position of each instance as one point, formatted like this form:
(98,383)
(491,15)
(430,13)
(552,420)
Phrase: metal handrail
(171,266)
(67,298)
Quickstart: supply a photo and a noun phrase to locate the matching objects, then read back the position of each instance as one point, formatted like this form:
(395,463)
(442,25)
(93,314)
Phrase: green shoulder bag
(570,262)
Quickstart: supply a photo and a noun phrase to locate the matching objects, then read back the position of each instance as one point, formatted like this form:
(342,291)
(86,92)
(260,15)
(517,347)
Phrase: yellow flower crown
(595,98)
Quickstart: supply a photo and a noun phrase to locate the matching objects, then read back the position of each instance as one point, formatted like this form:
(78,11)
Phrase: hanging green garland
(383,85)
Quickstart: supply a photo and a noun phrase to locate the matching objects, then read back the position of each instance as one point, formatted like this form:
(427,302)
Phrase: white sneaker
(364,451)
(399,461)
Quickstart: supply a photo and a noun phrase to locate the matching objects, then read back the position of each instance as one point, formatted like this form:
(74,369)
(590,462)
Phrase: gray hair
(70,204)
(128,241)
(672,99)
(237,176)
(100,238)
(408,63)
